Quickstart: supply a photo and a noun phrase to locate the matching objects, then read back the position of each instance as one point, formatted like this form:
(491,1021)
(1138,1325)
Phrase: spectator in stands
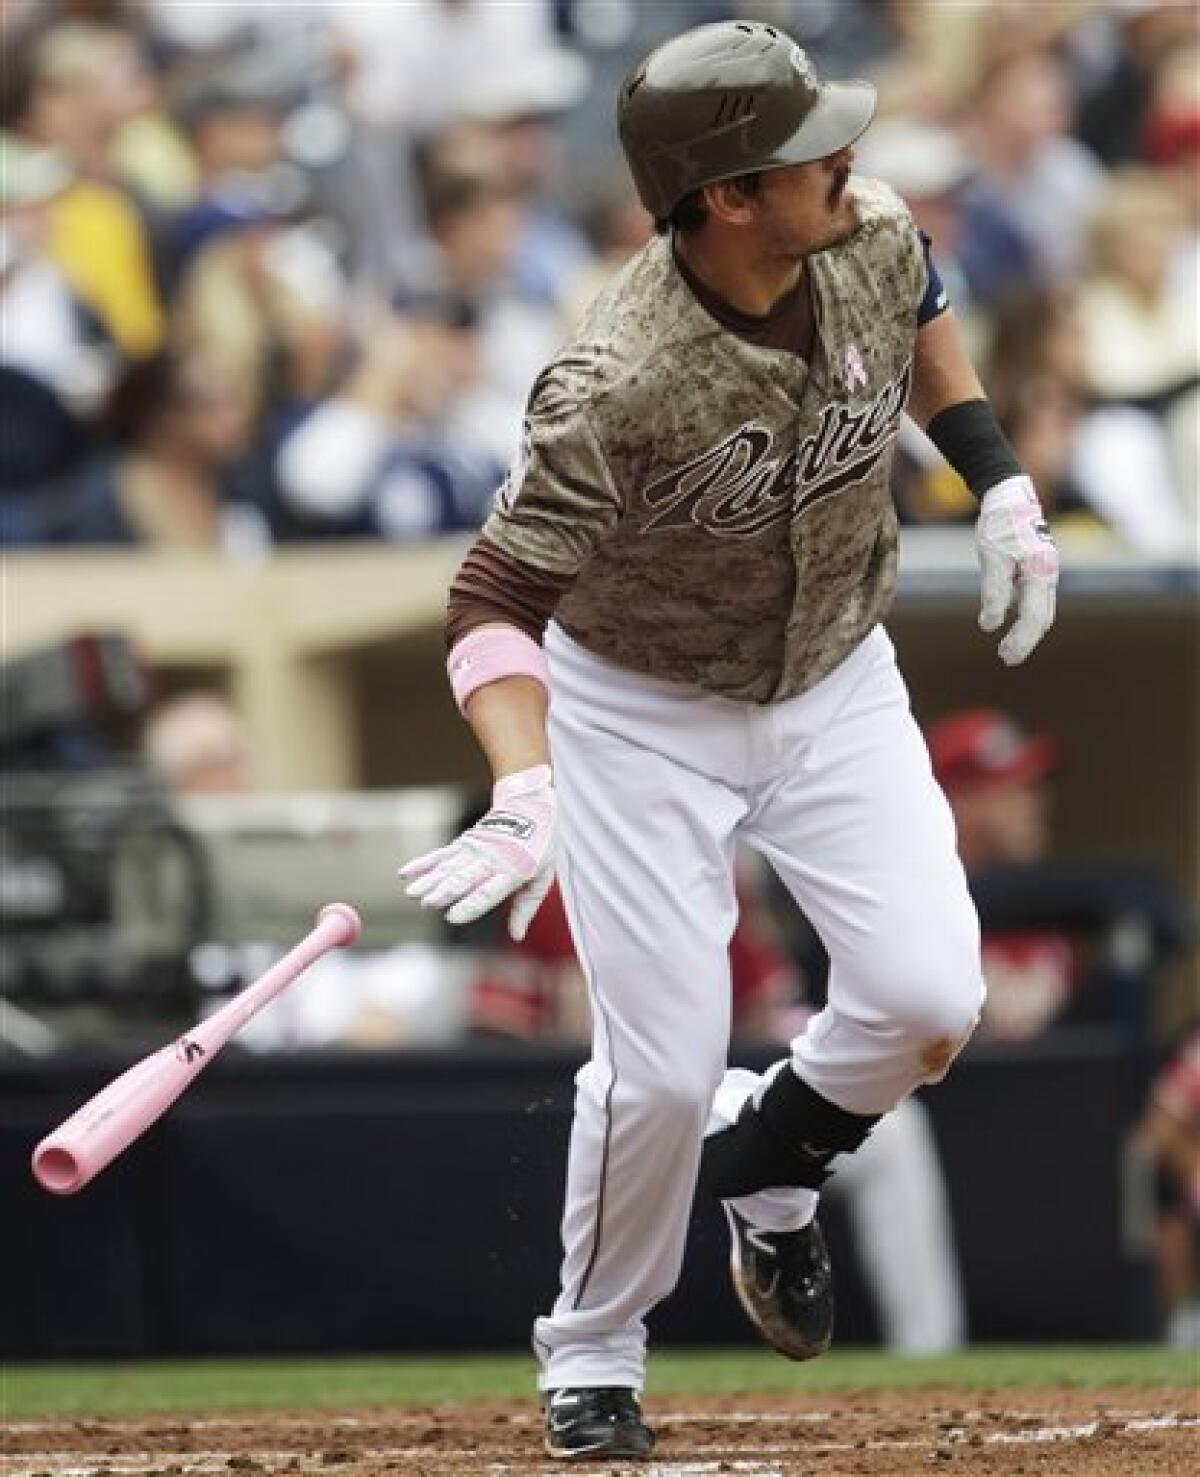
(1063,941)
(995,777)
(1036,379)
(1142,35)
(1169,1138)
(71,87)
(1171,147)
(56,362)
(1141,347)
(173,431)
(1027,209)
(936,55)
(197,744)
(1036,335)
(1099,465)
(256,286)
(257,290)
(233,124)
(475,216)
(92,79)
(1139,323)
(476,222)
(521,108)
(922,60)
(390,455)
(116,117)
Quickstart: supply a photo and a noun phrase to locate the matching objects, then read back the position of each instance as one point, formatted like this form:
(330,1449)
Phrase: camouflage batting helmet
(729,99)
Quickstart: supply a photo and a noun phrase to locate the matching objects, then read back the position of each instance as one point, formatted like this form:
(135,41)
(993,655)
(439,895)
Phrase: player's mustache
(841,178)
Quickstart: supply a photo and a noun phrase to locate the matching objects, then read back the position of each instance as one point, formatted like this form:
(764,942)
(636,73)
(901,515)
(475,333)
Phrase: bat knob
(351,923)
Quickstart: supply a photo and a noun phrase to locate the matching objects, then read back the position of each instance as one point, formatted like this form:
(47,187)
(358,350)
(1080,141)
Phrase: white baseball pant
(657,782)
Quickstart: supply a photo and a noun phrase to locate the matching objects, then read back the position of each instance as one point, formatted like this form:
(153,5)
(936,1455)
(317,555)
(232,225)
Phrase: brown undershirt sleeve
(491,586)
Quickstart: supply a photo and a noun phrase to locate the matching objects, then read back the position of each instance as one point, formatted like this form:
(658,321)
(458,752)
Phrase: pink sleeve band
(489,653)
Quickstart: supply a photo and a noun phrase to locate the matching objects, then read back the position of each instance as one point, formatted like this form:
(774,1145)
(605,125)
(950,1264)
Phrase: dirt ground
(1034,1432)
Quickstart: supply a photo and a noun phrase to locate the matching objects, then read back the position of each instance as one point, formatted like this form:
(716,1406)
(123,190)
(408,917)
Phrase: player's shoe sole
(586,1424)
(784,1282)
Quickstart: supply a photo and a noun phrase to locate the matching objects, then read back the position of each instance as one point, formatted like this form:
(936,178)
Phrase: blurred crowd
(272,272)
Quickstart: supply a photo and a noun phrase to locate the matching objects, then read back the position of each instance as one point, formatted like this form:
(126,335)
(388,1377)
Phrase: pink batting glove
(509,853)
(1016,556)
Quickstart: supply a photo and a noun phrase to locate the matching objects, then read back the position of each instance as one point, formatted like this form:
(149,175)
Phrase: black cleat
(784,1281)
(593,1424)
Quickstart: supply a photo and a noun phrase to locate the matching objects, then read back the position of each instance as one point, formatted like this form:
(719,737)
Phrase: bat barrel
(107,1124)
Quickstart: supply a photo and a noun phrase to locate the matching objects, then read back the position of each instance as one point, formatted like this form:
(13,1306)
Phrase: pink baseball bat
(108,1123)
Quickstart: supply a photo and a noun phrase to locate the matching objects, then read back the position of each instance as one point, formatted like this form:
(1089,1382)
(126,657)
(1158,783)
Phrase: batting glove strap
(509,852)
(1017,559)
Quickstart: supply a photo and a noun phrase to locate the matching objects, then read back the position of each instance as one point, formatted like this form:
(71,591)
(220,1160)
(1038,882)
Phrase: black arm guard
(969,437)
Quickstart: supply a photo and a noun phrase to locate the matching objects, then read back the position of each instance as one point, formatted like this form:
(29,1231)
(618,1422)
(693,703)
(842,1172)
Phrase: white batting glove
(1017,557)
(508,853)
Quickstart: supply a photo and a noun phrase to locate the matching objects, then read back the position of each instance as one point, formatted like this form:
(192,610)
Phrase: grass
(113,1389)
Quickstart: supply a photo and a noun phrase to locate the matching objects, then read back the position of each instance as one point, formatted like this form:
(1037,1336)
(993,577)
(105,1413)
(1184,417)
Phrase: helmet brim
(841,115)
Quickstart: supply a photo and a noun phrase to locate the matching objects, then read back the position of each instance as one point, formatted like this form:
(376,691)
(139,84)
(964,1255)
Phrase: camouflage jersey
(722,510)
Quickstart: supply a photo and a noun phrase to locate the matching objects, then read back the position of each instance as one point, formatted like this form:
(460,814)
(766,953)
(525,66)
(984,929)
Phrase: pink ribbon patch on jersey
(856,370)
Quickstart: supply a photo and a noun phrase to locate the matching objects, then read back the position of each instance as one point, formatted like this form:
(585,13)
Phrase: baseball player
(667,638)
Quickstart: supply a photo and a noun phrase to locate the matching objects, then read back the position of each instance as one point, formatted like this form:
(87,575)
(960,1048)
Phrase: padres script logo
(737,488)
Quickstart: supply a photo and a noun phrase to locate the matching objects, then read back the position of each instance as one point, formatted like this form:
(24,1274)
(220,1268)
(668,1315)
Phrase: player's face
(1003,822)
(807,207)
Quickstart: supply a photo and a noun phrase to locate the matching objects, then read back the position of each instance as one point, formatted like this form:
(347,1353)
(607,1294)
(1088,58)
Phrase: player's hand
(508,853)
(1017,557)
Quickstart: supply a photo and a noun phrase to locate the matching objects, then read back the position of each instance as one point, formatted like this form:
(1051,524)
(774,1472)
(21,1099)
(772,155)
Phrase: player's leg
(862,836)
(647,884)
(858,830)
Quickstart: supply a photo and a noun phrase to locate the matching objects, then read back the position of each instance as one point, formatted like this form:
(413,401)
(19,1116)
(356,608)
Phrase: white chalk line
(737,1459)
(400,1418)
